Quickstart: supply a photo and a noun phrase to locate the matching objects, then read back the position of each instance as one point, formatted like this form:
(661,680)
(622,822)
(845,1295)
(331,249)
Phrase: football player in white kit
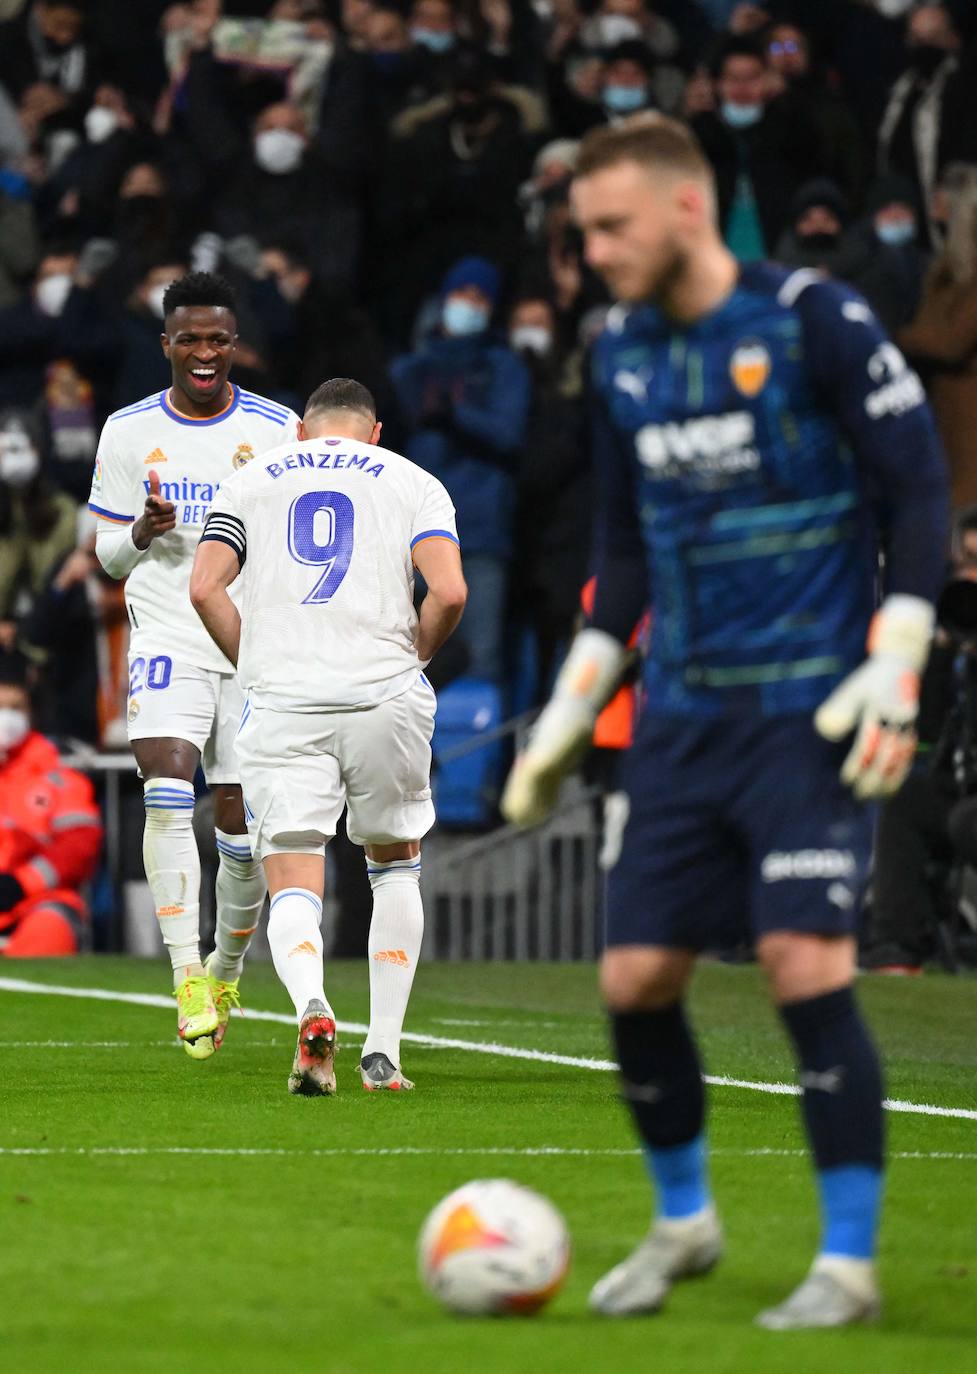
(159,465)
(326,534)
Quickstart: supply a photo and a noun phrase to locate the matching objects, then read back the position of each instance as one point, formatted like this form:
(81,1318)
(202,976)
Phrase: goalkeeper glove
(592,670)
(880,699)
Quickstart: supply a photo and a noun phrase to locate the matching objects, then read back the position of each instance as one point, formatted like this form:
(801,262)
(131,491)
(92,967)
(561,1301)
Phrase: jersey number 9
(320,534)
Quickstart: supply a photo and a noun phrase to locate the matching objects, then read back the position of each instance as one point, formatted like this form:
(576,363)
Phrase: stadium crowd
(385,184)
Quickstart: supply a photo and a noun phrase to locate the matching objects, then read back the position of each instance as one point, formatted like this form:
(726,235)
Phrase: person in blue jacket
(464,399)
(769,481)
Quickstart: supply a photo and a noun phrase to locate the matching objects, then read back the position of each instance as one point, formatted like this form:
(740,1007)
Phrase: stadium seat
(467,772)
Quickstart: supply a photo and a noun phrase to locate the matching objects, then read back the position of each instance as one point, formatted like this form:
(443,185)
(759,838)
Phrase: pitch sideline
(150,999)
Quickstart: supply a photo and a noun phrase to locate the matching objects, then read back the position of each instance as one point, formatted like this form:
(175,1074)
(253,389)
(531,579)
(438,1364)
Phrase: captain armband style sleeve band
(226,529)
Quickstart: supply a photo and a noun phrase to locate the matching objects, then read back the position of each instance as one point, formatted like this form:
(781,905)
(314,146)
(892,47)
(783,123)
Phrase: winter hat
(473,271)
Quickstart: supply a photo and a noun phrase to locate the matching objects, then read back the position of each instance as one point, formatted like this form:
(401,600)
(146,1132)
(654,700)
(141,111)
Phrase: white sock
(394,947)
(169,852)
(241,892)
(296,945)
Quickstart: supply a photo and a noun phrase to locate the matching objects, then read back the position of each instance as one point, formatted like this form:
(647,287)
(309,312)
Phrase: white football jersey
(192,458)
(325,531)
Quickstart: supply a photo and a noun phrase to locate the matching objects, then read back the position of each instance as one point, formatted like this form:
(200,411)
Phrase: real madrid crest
(749,367)
(133,710)
(243,455)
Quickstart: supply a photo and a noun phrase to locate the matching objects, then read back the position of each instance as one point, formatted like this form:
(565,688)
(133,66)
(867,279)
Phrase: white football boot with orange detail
(313,1068)
(378,1073)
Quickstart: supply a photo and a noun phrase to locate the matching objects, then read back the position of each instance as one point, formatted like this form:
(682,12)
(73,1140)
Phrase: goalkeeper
(758,441)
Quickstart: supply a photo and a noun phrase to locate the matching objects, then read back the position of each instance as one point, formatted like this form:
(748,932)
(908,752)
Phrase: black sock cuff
(813,1013)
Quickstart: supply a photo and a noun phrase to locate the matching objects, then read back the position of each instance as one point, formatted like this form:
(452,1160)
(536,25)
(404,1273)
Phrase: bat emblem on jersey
(749,367)
(634,384)
(243,455)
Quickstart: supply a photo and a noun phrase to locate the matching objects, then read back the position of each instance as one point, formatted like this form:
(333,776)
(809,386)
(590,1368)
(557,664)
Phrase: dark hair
(649,139)
(342,393)
(14,669)
(200,288)
(736,45)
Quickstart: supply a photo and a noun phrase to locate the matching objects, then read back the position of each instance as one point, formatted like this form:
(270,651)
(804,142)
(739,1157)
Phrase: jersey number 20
(320,534)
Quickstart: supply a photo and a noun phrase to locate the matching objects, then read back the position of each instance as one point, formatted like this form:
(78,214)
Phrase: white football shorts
(172,699)
(300,768)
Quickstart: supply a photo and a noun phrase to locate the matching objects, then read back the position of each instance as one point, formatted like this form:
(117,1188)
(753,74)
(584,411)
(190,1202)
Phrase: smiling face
(199,342)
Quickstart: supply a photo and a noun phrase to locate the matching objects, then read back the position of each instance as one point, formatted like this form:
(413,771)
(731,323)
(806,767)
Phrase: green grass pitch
(299,1258)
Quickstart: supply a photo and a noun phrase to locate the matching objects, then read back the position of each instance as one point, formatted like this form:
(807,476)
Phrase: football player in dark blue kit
(759,443)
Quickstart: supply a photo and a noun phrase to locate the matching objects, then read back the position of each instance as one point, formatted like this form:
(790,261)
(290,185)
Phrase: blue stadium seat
(467,779)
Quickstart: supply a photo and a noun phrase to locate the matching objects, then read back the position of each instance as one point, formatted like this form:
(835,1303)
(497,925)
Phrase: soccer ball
(493,1246)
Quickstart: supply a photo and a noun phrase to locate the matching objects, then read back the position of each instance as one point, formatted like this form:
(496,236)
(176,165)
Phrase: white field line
(500,1152)
(151,999)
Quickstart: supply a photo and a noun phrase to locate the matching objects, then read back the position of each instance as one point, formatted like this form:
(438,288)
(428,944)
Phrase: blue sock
(842,1108)
(679,1175)
(851,1197)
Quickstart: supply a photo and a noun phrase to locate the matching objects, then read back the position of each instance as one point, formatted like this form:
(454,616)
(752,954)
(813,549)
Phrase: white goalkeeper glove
(881,698)
(565,727)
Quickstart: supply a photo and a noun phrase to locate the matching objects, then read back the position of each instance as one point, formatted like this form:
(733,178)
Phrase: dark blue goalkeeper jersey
(750,468)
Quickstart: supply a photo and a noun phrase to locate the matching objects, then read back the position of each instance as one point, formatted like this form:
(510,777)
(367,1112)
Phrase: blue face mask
(459,317)
(740,116)
(896,233)
(625,99)
(435,40)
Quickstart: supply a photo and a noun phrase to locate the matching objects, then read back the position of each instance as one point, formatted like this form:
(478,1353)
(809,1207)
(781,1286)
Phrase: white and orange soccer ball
(493,1246)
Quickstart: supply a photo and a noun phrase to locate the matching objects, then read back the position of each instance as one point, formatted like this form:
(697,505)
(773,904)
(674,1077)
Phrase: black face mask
(819,243)
(136,214)
(925,58)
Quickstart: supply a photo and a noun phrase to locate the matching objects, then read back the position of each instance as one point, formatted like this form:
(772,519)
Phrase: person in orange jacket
(50,832)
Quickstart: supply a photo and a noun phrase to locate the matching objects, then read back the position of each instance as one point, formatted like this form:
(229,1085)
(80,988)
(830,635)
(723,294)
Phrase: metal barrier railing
(504,894)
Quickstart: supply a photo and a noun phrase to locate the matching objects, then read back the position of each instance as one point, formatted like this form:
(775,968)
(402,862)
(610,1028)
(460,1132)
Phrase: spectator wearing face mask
(277,181)
(882,254)
(762,151)
(37,522)
(137,362)
(819,214)
(50,832)
(83,190)
(627,85)
(553,500)
(464,400)
(451,186)
(806,88)
(32,333)
(912,134)
(301,350)
(634,21)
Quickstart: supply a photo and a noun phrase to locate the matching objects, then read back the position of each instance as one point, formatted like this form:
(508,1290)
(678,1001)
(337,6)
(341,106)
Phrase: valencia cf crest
(243,455)
(749,367)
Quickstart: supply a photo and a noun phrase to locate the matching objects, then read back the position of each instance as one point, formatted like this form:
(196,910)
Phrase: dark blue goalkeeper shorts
(737,827)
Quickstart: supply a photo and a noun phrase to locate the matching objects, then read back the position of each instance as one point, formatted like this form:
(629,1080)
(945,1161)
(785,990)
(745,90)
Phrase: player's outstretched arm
(215,566)
(586,682)
(439,563)
(158,517)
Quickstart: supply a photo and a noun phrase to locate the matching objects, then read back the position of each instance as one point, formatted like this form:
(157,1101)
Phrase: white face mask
(14,728)
(278,151)
(52,292)
(531,338)
(19,463)
(893,9)
(154,299)
(100,124)
(617,28)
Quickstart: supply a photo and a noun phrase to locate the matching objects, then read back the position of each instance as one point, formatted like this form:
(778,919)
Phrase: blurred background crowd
(385,183)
